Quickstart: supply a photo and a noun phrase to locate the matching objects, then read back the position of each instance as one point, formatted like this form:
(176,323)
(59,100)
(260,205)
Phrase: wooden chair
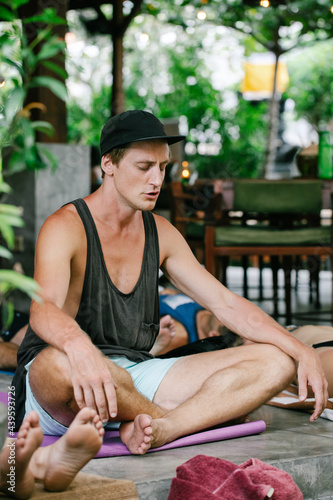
(191,209)
(280,219)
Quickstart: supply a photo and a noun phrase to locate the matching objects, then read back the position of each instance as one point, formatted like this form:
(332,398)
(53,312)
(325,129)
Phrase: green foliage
(19,62)
(85,124)
(174,81)
(279,28)
(10,217)
(311,83)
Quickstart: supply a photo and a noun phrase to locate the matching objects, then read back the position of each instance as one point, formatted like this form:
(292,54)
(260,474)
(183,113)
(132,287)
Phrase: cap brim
(170,139)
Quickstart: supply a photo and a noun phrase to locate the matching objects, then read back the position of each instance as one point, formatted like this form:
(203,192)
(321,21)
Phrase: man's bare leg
(208,389)
(57,398)
(58,464)
(15,458)
(8,355)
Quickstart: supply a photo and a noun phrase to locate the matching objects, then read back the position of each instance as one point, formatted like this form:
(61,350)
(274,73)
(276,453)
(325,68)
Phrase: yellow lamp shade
(260,77)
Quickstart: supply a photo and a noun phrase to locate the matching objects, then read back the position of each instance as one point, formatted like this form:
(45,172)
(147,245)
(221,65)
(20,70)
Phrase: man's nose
(157,176)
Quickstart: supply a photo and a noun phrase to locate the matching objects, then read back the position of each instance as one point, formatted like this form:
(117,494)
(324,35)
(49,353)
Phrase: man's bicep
(184,271)
(54,251)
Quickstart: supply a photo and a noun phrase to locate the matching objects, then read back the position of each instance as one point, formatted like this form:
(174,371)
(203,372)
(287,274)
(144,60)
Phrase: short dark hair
(117,154)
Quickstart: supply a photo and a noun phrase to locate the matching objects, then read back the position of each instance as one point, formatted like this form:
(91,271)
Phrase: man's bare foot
(57,465)
(16,478)
(137,435)
(166,334)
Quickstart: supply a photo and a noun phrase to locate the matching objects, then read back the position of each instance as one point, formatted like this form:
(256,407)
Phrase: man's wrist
(76,339)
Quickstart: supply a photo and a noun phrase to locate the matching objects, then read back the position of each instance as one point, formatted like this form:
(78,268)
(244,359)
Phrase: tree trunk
(273,126)
(56,112)
(117,97)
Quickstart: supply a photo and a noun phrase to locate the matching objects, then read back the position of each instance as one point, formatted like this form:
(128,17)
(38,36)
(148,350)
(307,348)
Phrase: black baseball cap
(133,126)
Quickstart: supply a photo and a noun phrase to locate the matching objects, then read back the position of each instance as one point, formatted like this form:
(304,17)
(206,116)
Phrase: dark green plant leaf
(55,68)
(48,16)
(51,48)
(52,159)
(16,162)
(7,313)
(43,126)
(57,87)
(6,15)
(18,3)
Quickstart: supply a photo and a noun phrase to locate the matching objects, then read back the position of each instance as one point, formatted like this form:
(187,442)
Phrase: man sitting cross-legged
(97,263)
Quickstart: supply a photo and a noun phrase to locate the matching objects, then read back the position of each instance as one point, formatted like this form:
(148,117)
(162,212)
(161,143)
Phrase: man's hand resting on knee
(310,373)
(92,381)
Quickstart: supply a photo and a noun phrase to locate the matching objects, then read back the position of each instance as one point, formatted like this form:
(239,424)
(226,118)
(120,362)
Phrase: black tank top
(118,324)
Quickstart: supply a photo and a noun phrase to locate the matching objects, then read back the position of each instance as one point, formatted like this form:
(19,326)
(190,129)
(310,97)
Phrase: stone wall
(42,193)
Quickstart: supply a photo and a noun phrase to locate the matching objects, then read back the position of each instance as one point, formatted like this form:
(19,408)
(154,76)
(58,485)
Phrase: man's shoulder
(65,218)
(162,223)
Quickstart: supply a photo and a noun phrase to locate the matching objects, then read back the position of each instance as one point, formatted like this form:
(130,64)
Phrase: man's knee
(278,365)
(49,376)
(121,377)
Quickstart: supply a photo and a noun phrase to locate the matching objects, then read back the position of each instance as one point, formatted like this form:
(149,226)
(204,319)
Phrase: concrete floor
(290,442)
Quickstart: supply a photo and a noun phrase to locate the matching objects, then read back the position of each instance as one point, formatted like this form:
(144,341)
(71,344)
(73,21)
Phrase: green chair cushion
(280,196)
(195,230)
(257,236)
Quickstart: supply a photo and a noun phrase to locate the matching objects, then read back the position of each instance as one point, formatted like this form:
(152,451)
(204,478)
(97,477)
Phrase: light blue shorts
(146,377)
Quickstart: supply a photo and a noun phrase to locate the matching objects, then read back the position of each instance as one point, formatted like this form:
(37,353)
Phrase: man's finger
(110,392)
(302,388)
(78,395)
(102,405)
(89,398)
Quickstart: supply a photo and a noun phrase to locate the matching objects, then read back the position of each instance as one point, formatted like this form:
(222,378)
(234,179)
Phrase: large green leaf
(7,313)
(48,16)
(10,210)
(16,162)
(57,87)
(5,253)
(10,279)
(28,133)
(14,103)
(6,15)
(51,48)
(55,68)
(15,64)
(43,126)
(18,3)
(52,159)
(7,234)
(5,188)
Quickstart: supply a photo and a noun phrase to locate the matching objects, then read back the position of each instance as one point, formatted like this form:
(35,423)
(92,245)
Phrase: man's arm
(59,244)
(238,314)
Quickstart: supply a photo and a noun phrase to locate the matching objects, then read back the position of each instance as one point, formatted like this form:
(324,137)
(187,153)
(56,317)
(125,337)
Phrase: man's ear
(107,165)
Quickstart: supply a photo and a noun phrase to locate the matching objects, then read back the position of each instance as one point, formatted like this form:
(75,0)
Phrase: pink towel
(209,478)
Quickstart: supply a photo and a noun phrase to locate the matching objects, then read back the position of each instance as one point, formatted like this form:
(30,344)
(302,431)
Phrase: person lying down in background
(186,326)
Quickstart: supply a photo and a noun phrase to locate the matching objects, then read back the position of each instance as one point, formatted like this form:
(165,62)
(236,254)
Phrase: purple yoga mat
(4,398)
(113,447)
